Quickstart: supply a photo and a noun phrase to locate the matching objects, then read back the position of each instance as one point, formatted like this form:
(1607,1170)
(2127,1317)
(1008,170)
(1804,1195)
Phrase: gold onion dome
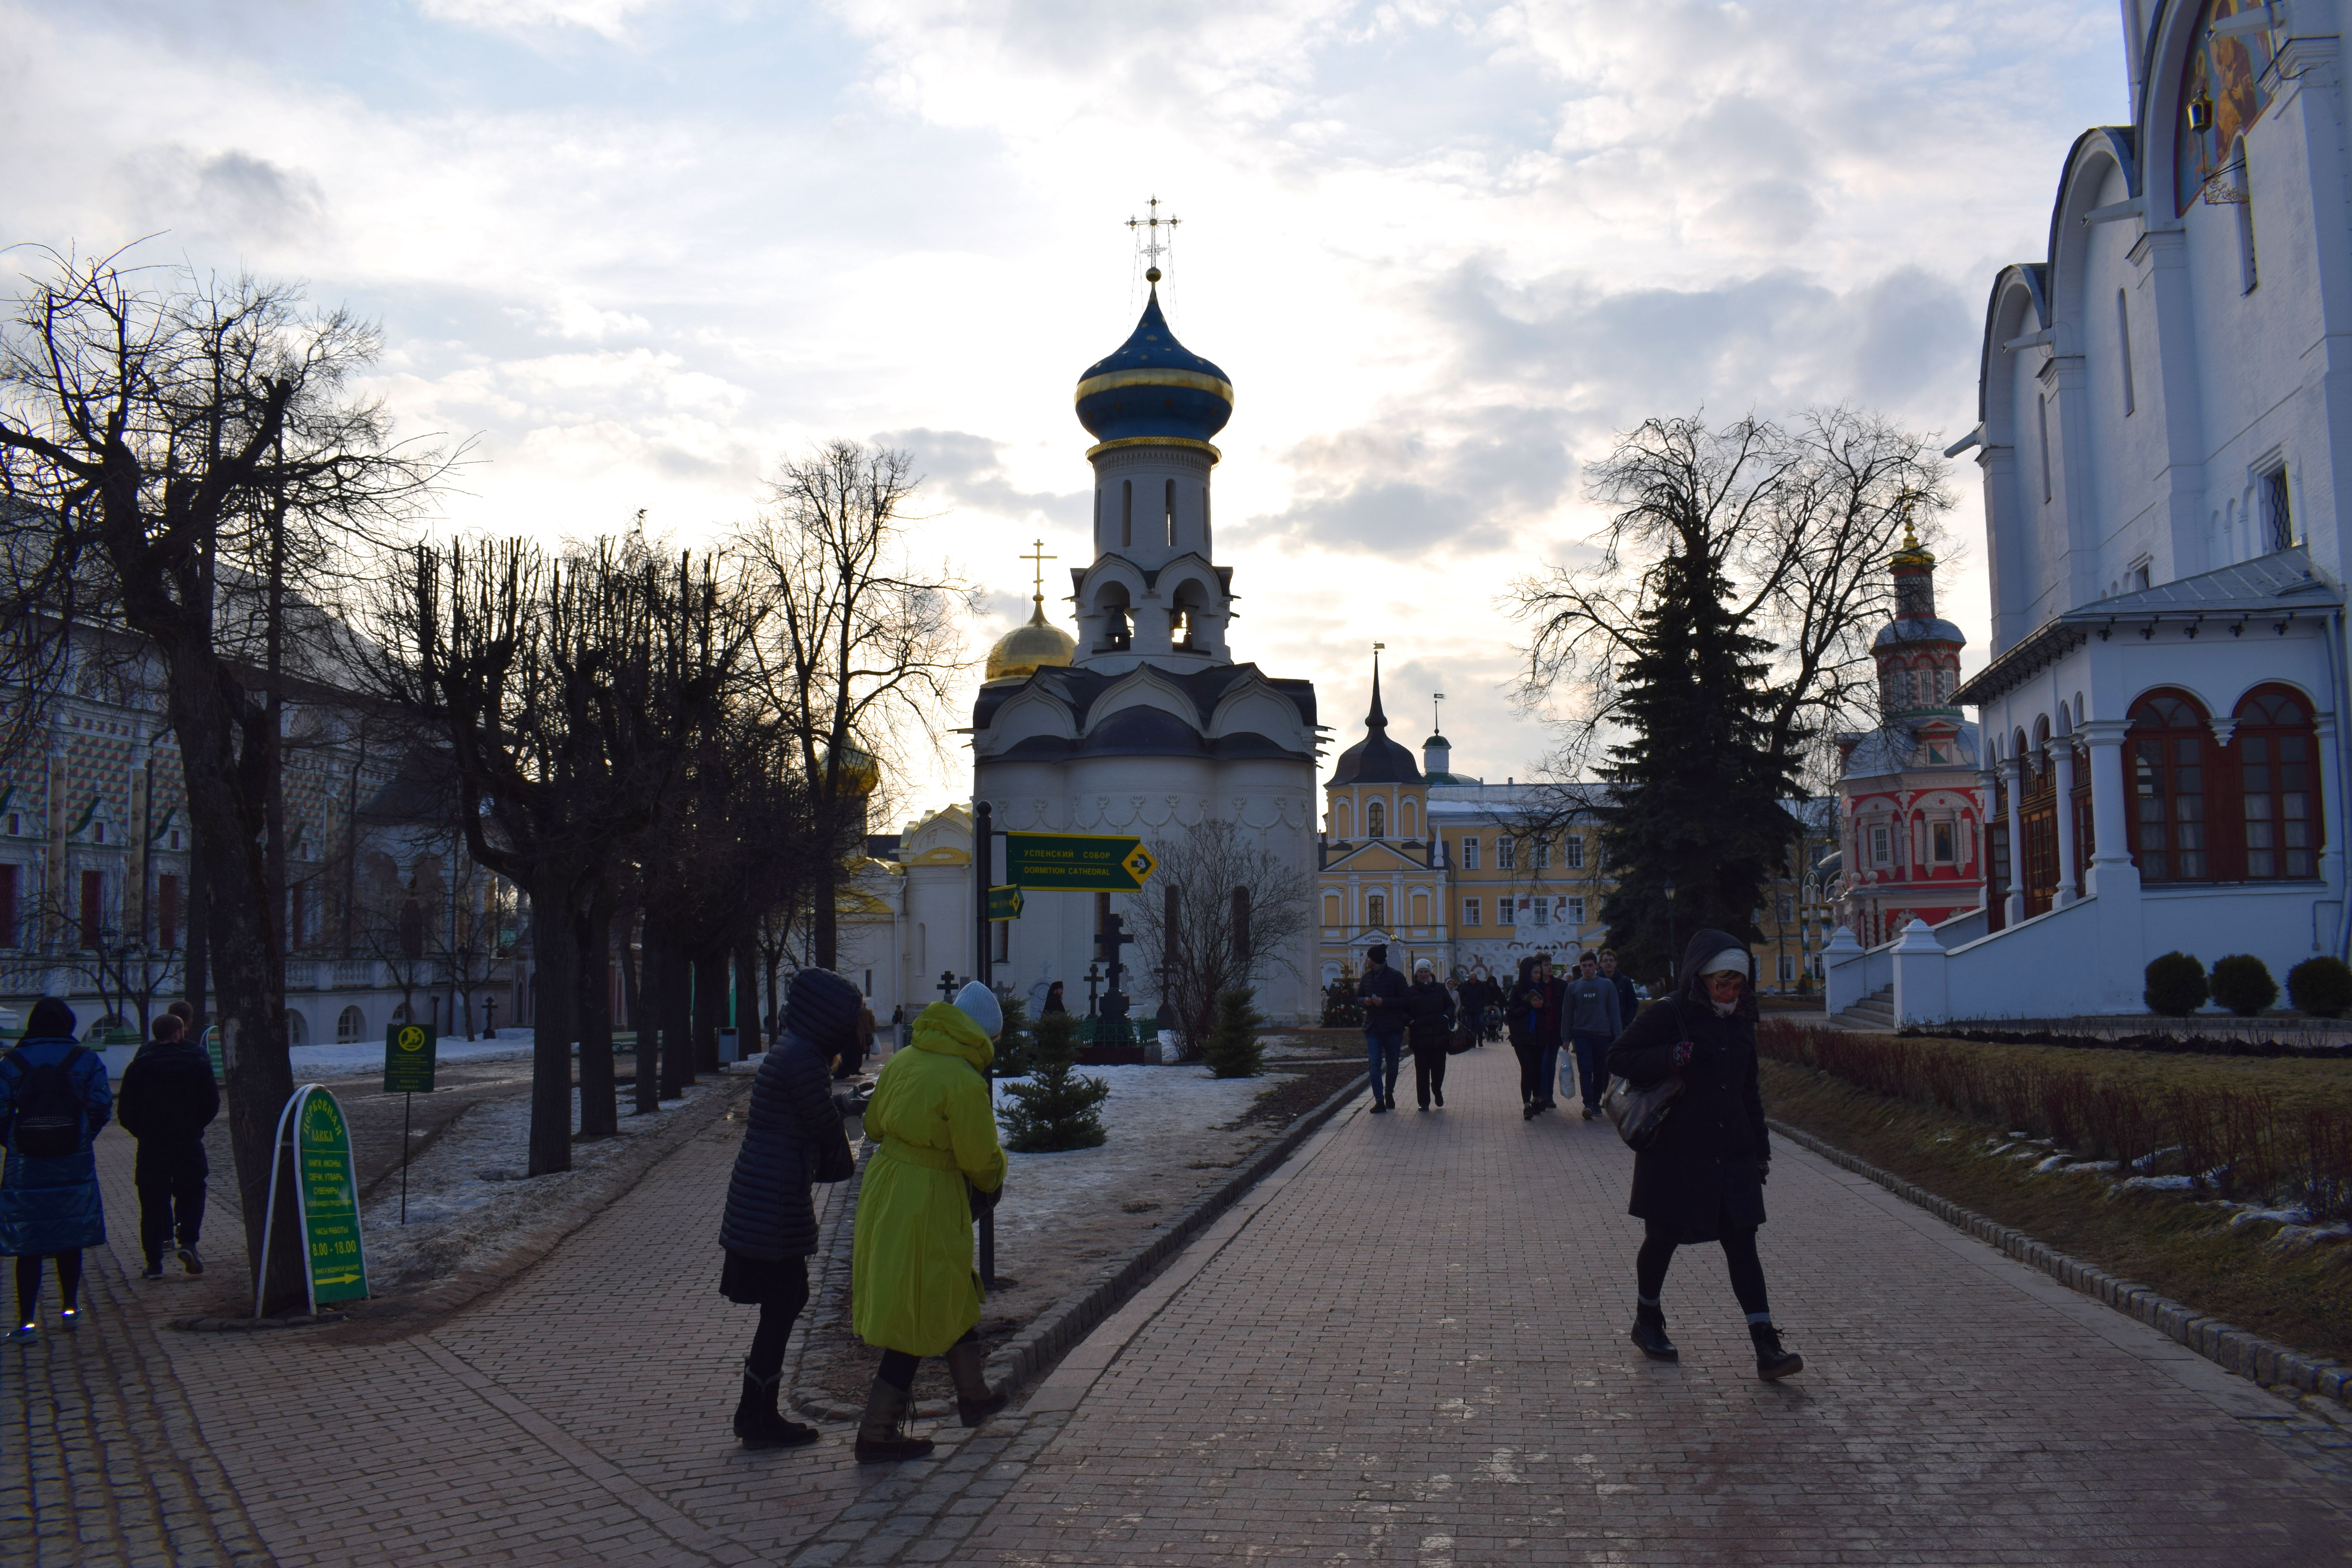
(1028,648)
(860,774)
(1913,553)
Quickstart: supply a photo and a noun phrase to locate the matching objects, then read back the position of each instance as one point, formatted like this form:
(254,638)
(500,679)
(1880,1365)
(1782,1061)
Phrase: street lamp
(1670,929)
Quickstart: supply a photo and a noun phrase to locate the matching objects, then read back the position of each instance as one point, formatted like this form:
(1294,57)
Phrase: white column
(2331,803)
(2112,871)
(1842,972)
(1922,993)
(2062,755)
(2013,907)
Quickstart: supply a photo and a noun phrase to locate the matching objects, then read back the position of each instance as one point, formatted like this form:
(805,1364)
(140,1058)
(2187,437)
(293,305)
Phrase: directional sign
(1077,862)
(329,1198)
(1005,903)
(409,1050)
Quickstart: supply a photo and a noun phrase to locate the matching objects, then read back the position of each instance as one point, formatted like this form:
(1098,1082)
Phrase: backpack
(49,1109)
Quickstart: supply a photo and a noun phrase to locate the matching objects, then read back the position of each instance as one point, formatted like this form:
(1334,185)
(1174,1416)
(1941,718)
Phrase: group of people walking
(936,1164)
(55,1100)
(1700,1179)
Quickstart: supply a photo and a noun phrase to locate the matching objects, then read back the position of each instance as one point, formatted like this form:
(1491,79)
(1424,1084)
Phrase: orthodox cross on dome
(1038,558)
(1149,242)
(1435,728)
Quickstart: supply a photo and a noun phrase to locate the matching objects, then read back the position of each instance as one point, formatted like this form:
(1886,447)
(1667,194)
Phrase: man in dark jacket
(1590,1017)
(1381,993)
(1535,1015)
(792,1137)
(1702,1177)
(1629,1003)
(167,1099)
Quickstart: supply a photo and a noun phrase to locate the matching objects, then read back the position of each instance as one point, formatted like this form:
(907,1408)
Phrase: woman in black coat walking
(794,1138)
(1429,1029)
(1703,1179)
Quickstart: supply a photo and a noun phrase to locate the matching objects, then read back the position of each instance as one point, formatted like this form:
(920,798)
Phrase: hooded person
(166,1101)
(54,1098)
(792,1137)
(913,1291)
(1702,1178)
(1429,1010)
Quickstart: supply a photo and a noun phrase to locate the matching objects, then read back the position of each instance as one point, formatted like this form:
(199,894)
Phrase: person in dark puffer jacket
(794,1138)
(167,1099)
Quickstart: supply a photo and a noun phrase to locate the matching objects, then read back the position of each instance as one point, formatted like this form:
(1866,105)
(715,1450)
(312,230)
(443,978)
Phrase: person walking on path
(54,1098)
(1534,1015)
(1702,1179)
(913,1292)
(792,1138)
(1590,1011)
(1629,1000)
(1382,992)
(1429,1010)
(168,1099)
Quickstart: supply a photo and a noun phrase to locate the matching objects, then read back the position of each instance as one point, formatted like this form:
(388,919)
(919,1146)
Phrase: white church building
(2165,432)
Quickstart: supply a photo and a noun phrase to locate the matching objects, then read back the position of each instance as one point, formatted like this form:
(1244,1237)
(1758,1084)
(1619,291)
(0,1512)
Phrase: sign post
(409,1055)
(1004,903)
(326,1201)
(1077,862)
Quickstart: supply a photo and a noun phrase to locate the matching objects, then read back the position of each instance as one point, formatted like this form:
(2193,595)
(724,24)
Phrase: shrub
(2242,984)
(1340,1009)
(1014,1045)
(2176,986)
(1054,1108)
(2320,988)
(1233,1049)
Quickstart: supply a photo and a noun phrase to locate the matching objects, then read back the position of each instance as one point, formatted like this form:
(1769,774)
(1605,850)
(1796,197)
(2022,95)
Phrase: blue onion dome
(1154,388)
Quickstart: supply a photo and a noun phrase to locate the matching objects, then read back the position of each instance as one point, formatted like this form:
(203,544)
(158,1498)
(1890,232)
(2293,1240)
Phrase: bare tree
(863,645)
(1798,520)
(1222,912)
(167,441)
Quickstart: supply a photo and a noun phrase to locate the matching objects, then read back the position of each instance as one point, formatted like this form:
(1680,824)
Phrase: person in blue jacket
(49,1206)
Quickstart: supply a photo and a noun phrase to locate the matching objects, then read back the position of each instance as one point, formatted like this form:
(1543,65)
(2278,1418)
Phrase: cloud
(606,18)
(228,199)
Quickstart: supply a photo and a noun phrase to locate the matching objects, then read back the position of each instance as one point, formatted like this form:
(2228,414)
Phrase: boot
(882,1434)
(974,1403)
(1650,1333)
(1773,1362)
(759,1424)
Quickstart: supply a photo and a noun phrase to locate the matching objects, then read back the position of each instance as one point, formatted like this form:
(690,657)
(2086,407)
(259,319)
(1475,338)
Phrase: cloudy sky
(642,249)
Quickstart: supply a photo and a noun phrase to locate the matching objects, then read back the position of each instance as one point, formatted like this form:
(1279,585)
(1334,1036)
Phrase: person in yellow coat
(913,1292)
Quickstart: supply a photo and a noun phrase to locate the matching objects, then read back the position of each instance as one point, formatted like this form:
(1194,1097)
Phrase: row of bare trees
(664,748)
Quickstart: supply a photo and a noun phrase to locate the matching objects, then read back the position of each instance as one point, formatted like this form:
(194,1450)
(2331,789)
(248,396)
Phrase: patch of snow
(2055,1162)
(2158,1184)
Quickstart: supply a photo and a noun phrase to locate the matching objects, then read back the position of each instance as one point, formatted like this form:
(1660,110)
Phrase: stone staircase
(1874,1012)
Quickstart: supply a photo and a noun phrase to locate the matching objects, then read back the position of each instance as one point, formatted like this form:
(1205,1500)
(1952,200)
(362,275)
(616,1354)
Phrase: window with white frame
(1469,911)
(1943,843)
(1543,912)
(1376,910)
(1469,853)
(1543,854)
(1572,848)
(1506,913)
(1882,846)
(1506,853)
(1576,912)
(2278,517)
(1788,969)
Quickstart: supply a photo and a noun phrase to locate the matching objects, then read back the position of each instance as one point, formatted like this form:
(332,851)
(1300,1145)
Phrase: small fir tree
(1055,1107)
(1233,1050)
(1340,1009)
(1016,1046)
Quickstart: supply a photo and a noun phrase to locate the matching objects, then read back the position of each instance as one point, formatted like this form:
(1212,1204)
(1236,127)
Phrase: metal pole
(984,969)
(405,1101)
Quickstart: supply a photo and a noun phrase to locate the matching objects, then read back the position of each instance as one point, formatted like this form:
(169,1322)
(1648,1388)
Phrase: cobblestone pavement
(1413,1352)
(1404,1347)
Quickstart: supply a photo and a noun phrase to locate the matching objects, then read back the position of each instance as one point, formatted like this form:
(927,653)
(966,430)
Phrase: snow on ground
(466,1201)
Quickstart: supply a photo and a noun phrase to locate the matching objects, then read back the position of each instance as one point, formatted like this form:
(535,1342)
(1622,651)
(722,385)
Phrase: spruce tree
(1697,789)
(1233,1049)
(1054,1107)
(1015,1042)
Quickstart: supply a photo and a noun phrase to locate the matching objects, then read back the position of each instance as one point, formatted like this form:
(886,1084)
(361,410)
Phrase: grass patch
(2178,1244)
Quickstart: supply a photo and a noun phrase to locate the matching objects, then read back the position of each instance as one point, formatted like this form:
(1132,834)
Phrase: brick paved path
(1413,1352)
(1405,1347)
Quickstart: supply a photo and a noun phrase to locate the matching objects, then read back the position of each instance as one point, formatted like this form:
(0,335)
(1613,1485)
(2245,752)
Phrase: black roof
(1376,759)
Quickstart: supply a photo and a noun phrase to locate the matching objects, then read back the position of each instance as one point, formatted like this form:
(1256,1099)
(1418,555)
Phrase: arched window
(1126,511)
(1343,821)
(1375,820)
(1171,514)
(1205,520)
(1330,909)
(1119,632)
(297,1032)
(2278,783)
(348,1026)
(2170,752)
(1408,817)
(2239,183)
(1376,910)
(2038,809)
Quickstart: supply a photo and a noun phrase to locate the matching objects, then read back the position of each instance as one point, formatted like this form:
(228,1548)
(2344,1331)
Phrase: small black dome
(1376,759)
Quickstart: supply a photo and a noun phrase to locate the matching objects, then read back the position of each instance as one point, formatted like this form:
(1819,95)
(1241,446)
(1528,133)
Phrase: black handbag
(1639,1110)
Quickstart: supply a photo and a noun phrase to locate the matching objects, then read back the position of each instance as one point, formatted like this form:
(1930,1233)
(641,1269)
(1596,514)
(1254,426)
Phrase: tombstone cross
(947,985)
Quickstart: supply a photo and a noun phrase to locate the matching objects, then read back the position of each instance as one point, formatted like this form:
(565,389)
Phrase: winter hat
(1378,952)
(979,1004)
(50,1019)
(1421,963)
(822,1009)
(1731,958)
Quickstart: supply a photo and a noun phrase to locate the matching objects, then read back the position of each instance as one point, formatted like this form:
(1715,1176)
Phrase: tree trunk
(709,1007)
(598,1114)
(749,1032)
(646,1017)
(678,1030)
(554,1011)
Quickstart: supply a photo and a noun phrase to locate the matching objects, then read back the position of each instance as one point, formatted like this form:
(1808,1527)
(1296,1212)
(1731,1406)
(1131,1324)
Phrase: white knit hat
(1731,958)
(979,1004)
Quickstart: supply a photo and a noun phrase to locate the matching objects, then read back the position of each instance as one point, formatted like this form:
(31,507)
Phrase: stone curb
(2265,1361)
(401,1316)
(1074,1317)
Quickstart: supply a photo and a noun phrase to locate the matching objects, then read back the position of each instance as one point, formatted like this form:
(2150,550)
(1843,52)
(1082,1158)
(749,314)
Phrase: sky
(640,252)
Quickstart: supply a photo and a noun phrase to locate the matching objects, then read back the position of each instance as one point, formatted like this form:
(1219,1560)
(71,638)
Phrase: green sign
(1077,862)
(328,1197)
(408,1053)
(212,1051)
(1005,903)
